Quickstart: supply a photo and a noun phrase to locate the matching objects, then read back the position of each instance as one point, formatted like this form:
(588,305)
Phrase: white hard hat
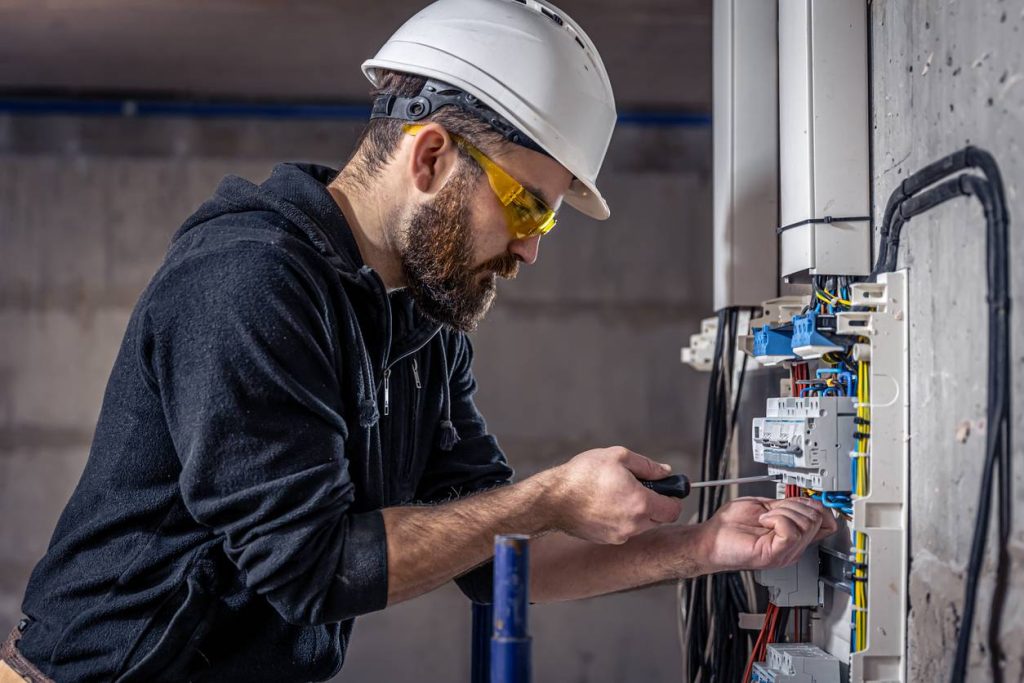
(530,63)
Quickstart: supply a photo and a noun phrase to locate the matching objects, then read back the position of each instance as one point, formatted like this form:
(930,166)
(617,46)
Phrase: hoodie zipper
(388,362)
(386,377)
(416,374)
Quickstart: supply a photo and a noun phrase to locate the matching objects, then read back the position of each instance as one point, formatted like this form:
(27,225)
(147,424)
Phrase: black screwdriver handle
(676,486)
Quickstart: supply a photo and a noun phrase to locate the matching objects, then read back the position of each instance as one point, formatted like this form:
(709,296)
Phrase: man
(288,438)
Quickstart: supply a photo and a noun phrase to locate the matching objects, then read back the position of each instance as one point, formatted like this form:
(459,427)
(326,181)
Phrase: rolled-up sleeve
(241,348)
(475,463)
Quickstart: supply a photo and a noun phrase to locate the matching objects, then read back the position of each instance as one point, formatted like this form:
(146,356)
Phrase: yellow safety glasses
(525,213)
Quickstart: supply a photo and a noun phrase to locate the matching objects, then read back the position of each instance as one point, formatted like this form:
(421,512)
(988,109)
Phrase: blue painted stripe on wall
(268,110)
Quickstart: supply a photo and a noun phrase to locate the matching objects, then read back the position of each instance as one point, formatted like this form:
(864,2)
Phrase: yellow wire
(860,597)
(831,298)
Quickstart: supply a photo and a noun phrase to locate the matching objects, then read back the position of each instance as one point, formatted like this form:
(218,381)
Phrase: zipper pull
(416,374)
(387,391)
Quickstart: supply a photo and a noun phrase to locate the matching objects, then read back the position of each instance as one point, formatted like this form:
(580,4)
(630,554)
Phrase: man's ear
(432,159)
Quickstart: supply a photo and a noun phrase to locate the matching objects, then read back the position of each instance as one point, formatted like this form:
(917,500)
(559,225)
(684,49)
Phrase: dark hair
(376,145)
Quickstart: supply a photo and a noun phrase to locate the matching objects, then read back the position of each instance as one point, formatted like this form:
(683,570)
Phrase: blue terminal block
(807,341)
(772,345)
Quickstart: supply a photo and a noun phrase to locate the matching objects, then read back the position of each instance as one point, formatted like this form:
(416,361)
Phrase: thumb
(643,467)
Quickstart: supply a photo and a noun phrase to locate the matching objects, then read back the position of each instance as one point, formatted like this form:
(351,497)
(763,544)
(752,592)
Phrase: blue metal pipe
(69,106)
(510,644)
(480,664)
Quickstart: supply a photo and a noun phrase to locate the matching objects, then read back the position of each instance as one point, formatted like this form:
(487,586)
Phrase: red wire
(792,490)
(763,638)
(797,372)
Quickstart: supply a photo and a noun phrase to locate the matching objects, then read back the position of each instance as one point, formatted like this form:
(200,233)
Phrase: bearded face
(438,257)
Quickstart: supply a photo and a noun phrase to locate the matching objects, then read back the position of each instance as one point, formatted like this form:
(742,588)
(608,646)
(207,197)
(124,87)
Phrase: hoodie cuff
(478,584)
(361,582)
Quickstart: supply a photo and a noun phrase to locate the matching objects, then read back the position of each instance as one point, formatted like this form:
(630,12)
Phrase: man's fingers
(798,507)
(786,525)
(787,542)
(812,508)
(829,526)
(664,509)
(807,524)
(643,467)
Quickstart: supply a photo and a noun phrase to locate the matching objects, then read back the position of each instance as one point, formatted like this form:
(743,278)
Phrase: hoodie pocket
(173,656)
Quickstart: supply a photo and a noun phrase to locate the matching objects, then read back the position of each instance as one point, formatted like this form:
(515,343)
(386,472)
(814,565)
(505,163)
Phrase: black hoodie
(269,398)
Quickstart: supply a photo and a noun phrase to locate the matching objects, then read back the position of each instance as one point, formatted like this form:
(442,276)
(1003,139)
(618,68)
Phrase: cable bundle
(917,194)
(714,646)
(859,594)
(775,618)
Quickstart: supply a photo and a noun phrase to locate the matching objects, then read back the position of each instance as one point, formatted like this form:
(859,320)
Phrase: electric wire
(917,194)
(714,647)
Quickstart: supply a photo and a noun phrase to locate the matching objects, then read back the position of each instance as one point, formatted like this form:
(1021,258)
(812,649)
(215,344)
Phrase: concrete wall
(580,351)
(308,49)
(945,75)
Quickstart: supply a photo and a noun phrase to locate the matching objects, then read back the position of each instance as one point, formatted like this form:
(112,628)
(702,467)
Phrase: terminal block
(807,440)
(701,351)
(774,315)
(797,663)
(772,346)
(812,335)
(795,585)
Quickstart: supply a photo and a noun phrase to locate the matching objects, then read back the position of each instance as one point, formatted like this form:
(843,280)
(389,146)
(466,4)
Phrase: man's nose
(526,250)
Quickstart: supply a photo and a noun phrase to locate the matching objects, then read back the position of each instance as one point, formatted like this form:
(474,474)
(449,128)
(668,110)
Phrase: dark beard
(438,259)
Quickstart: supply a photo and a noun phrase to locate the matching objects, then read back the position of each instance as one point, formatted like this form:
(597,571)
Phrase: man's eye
(523,211)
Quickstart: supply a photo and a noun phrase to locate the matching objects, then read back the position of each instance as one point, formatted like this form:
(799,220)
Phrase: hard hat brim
(587,200)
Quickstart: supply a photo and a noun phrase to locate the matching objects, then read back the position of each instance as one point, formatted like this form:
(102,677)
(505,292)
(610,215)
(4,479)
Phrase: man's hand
(597,497)
(760,533)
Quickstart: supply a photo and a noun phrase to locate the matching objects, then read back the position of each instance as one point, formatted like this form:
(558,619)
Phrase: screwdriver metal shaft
(738,480)
(678,485)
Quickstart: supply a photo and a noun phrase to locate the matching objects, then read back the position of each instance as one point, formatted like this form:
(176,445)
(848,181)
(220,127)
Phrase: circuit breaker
(797,663)
(795,585)
(807,441)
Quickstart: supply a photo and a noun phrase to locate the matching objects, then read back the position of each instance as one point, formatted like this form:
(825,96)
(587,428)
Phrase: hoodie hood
(297,193)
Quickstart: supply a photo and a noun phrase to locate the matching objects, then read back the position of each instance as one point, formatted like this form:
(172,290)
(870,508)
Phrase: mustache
(505,266)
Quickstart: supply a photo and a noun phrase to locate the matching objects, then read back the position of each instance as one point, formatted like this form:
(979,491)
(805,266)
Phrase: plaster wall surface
(948,74)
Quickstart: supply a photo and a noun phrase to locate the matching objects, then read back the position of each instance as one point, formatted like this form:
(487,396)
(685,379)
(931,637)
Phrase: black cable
(914,183)
(827,219)
(907,201)
(726,591)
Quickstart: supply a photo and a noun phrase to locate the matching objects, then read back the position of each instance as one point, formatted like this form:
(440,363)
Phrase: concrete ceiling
(657,52)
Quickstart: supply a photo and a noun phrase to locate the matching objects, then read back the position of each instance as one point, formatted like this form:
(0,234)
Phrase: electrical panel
(837,427)
(839,436)
(836,431)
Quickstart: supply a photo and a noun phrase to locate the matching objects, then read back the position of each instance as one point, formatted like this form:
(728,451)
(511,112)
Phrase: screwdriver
(679,485)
